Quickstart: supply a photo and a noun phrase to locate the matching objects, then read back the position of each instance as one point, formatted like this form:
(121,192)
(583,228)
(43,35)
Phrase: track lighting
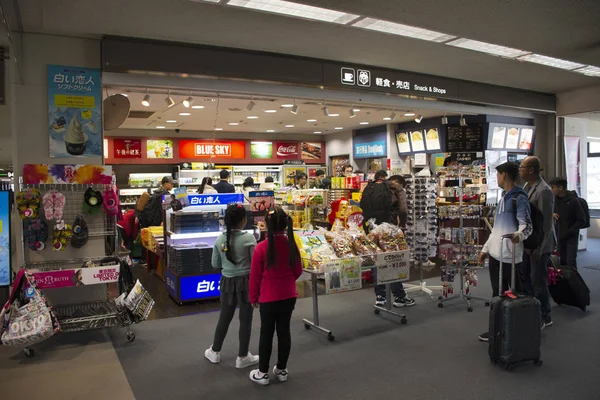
(250,105)
(391,117)
(147,99)
(351,113)
(169,100)
(325,111)
(187,103)
(463,121)
(295,108)
(444,120)
(418,119)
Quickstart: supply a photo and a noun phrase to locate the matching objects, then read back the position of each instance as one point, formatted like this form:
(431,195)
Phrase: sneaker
(212,356)
(243,362)
(484,337)
(546,322)
(403,302)
(280,374)
(380,301)
(258,377)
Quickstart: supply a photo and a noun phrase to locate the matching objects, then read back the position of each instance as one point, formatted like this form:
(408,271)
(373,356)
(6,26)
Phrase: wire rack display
(44,266)
(84,316)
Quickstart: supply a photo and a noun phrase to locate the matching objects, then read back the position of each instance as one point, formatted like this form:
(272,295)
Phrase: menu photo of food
(403,144)
(526,139)
(432,137)
(416,138)
(498,136)
(311,151)
(512,140)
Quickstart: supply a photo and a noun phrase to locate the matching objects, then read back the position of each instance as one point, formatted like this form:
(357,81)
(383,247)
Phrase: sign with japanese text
(74,112)
(77,277)
(208,148)
(342,275)
(393,267)
(215,199)
(127,148)
(261,200)
(286,150)
(370,143)
(193,287)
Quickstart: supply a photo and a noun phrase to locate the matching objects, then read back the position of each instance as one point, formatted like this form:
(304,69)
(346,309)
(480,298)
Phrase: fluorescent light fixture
(270,111)
(325,111)
(402,30)
(356,109)
(185,114)
(409,114)
(295,10)
(218,129)
(160,127)
(169,100)
(287,105)
(252,117)
(351,112)
(551,62)
(311,120)
(234,123)
(147,100)
(364,123)
(206,1)
(197,107)
(418,119)
(289,126)
(463,121)
(295,109)
(250,105)
(338,128)
(493,49)
(590,70)
(334,115)
(317,132)
(187,103)
(270,130)
(171,121)
(444,120)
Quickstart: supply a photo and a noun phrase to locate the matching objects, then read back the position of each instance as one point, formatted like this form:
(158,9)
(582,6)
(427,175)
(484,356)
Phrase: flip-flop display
(28,203)
(54,205)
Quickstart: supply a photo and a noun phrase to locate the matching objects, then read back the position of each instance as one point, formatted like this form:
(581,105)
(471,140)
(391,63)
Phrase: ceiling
(559,28)
(230,113)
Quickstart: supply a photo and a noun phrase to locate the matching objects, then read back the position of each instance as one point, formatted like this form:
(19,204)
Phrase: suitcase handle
(513,266)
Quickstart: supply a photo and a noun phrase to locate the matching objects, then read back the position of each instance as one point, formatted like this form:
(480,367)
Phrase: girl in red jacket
(273,286)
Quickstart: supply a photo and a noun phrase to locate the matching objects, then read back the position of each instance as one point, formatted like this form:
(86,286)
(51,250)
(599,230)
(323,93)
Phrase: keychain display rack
(421,227)
(85,315)
(459,216)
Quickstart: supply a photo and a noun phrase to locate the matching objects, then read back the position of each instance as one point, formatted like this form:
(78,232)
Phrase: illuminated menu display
(511,137)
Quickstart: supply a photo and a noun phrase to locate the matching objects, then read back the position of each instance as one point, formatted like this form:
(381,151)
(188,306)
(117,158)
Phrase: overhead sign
(261,150)
(215,199)
(370,143)
(209,148)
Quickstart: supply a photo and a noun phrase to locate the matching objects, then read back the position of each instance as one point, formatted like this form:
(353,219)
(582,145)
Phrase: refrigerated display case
(129,197)
(256,172)
(146,180)
(192,178)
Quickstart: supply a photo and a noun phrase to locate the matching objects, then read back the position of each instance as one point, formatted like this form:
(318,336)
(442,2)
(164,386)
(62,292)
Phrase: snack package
(363,246)
(329,236)
(388,237)
(320,255)
(342,245)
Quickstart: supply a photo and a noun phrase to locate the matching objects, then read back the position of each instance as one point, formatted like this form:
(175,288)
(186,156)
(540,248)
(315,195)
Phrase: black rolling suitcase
(515,325)
(566,286)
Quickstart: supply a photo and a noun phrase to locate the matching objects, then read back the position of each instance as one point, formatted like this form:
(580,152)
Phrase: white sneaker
(243,362)
(258,377)
(212,356)
(280,374)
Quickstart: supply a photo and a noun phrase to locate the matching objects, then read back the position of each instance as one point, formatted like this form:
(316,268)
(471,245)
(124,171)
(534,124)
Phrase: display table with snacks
(340,256)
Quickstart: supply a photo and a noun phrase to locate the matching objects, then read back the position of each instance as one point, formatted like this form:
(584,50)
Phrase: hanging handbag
(29,321)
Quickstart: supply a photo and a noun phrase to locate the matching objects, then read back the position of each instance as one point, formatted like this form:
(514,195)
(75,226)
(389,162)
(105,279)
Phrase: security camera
(177,130)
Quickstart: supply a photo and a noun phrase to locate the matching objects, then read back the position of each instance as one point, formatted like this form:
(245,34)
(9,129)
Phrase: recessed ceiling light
(409,114)
(171,121)
(488,48)
(402,30)
(387,119)
(317,132)
(551,61)
(311,120)
(356,109)
(338,128)
(234,123)
(287,105)
(590,70)
(334,115)
(289,126)
(270,130)
(160,127)
(218,129)
(295,10)
(184,114)
(197,107)
(270,111)
(252,117)
(364,123)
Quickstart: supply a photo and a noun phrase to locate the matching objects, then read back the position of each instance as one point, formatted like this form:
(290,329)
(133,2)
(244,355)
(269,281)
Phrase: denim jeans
(567,248)
(539,279)
(397,290)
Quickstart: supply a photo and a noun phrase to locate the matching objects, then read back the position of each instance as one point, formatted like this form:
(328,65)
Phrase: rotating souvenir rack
(306,207)
(460,231)
(421,227)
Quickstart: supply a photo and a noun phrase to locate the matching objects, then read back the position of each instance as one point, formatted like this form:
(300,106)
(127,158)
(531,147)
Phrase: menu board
(432,139)
(403,143)
(464,138)
(511,137)
(416,141)
(526,139)
(498,136)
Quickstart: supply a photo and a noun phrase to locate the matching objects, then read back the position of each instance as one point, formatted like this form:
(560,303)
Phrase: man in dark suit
(223,186)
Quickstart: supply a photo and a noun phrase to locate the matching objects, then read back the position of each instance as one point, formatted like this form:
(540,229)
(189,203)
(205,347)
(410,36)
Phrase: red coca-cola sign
(287,150)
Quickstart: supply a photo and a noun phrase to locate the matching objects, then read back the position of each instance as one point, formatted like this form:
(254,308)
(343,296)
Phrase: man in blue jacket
(223,186)
(508,220)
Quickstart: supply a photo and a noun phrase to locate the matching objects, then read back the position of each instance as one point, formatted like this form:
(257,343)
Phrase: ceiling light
(356,109)
(444,120)
(270,130)
(185,114)
(252,117)
(551,61)
(289,126)
(391,117)
(409,114)
(463,121)
(402,30)
(287,105)
(270,111)
(160,127)
(171,121)
(234,123)
(147,100)
(295,10)
(334,115)
(124,94)
(218,129)
(351,113)
(338,128)
(187,103)
(311,120)
(197,107)
(364,123)
(295,109)
(590,70)
(488,48)
(169,100)
(325,111)
(250,105)
(317,132)
(418,119)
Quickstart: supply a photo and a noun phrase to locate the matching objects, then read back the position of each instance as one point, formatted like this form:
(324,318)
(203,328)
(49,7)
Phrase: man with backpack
(151,214)
(376,202)
(570,217)
(537,255)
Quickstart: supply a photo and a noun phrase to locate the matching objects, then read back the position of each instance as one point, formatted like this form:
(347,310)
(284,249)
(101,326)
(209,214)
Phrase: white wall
(339,144)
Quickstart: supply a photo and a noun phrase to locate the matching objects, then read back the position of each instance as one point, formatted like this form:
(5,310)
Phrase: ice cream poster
(74,112)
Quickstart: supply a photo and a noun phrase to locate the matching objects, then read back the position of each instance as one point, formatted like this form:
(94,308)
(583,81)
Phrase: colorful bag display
(27,321)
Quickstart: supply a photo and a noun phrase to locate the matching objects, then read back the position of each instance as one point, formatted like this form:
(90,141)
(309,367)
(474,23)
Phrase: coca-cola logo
(287,149)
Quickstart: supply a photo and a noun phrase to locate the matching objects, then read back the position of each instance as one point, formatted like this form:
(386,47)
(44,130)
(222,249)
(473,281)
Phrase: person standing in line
(247,187)
(377,202)
(536,261)
(508,220)
(206,186)
(223,186)
(570,218)
(273,288)
(233,253)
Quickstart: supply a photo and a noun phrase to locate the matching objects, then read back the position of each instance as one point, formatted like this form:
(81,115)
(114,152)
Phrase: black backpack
(586,211)
(152,213)
(376,202)
(534,240)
